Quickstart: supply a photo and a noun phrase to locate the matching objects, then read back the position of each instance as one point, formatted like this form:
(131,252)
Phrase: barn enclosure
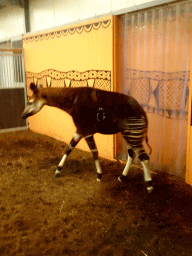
(141,48)
(145,54)
(12,89)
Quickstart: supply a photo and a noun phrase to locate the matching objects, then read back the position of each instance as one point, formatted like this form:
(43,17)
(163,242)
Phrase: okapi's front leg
(76,138)
(91,143)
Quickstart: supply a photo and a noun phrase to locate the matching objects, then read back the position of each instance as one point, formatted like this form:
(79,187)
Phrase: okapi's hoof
(57,173)
(122,178)
(99,176)
(149,187)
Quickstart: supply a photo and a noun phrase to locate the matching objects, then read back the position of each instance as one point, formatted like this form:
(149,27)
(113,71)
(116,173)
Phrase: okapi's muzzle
(34,105)
(26,113)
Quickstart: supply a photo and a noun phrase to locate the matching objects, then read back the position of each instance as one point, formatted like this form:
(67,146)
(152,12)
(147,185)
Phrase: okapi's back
(94,98)
(126,105)
(103,111)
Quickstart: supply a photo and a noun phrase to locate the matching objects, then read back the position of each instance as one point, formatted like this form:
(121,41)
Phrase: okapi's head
(34,103)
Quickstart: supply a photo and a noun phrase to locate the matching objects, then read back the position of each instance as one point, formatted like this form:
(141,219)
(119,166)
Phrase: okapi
(97,111)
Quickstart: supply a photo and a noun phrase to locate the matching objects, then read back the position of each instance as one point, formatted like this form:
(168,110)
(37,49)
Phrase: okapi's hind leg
(131,156)
(134,133)
(144,158)
(76,138)
(91,143)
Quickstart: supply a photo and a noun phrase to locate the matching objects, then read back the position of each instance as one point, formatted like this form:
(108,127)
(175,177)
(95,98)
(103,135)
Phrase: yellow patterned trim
(71,31)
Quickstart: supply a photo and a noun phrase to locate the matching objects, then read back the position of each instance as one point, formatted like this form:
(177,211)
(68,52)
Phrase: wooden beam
(15,50)
(27,18)
(11,2)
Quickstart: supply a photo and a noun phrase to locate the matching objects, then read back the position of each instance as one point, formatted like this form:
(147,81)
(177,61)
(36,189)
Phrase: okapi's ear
(34,88)
(39,86)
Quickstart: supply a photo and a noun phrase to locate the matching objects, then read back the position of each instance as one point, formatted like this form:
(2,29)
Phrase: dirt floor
(76,215)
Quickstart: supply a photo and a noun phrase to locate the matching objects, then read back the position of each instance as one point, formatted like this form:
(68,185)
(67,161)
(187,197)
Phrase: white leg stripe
(62,161)
(88,136)
(98,167)
(149,189)
(94,150)
(127,167)
(76,136)
(147,175)
(57,172)
(70,147)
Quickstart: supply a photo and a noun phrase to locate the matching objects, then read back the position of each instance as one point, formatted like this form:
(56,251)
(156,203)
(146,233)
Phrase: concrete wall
(44,14)
(59,12)
(12,22)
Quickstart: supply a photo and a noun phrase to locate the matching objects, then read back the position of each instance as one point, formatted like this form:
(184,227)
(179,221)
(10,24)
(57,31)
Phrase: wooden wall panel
(12,104)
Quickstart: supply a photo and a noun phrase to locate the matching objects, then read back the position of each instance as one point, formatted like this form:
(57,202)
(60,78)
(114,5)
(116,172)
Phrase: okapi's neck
(62,98)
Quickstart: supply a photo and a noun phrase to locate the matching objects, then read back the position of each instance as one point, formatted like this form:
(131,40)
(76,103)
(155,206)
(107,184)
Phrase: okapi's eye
(30,102)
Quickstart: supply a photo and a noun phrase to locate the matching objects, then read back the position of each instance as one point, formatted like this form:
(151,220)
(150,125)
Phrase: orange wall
(80,47)
(189,140)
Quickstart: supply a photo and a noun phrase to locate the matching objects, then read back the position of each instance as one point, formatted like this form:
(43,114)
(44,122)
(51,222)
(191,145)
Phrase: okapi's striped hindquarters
(134,132)
(93,111)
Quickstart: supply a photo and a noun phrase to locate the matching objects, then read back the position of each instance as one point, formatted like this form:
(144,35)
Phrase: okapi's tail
(150,148)
(146,137)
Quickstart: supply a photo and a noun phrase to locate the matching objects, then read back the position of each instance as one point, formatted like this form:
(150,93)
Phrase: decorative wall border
(161,93)
(158,75)
(64,32)
(54,78)
(72,75)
